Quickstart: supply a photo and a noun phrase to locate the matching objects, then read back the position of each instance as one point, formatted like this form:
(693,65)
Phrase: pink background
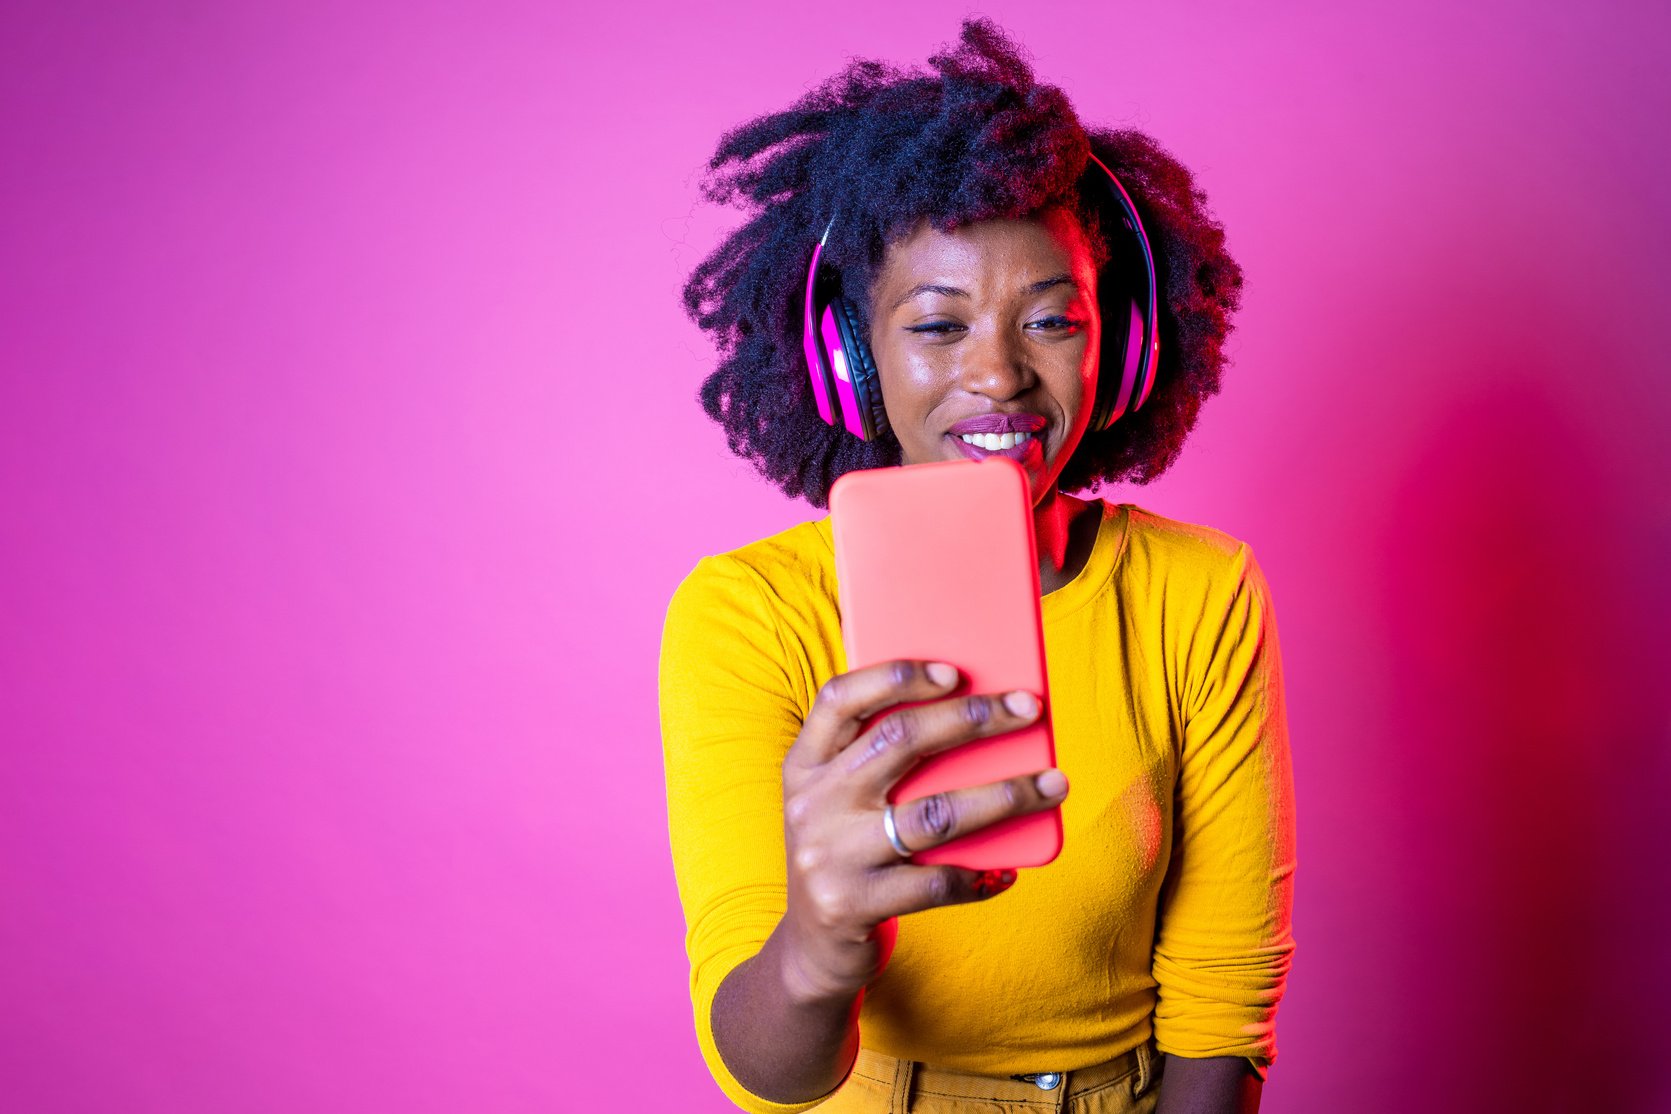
(349,455)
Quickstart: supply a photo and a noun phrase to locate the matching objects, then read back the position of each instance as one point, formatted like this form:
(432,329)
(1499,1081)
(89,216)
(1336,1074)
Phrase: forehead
(1051,242)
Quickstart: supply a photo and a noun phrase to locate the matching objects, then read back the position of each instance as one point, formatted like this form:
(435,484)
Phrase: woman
(1142,968)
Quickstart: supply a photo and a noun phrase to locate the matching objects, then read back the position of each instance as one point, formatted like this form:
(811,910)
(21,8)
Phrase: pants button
(1043,1080)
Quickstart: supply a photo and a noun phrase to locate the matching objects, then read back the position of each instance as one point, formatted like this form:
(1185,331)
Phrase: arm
(1223,943)
(791,894)
(1215,1085)
(729,713)
(783,1045)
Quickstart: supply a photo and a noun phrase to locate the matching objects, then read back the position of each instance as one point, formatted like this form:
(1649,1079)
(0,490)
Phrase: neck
(1064,529)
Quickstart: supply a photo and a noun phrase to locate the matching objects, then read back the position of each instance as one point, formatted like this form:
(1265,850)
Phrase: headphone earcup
(1119,363)
(861,366)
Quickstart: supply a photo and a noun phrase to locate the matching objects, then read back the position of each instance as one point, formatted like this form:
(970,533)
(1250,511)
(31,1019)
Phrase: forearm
(1214,1085)
(782,1044)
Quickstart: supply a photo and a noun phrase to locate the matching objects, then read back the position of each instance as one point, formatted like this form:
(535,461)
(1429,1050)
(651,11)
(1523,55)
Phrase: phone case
(938,562)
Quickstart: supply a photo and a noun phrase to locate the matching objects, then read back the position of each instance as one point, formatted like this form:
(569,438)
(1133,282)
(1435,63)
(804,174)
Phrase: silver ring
(893,832)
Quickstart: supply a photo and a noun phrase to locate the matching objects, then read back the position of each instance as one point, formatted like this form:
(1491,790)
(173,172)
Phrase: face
(988,329)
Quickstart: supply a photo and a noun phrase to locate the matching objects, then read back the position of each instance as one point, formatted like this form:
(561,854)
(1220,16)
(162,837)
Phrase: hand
(846,882)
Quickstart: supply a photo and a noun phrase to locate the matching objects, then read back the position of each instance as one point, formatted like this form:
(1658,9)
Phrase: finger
(847,700)
(896,742)
(912,889)
(942,817)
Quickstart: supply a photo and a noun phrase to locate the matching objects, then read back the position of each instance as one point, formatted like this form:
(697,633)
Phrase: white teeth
(993,442)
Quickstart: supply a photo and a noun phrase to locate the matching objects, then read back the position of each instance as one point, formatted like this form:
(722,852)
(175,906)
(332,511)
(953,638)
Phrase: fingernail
(1021,703)
(994,882)
(942,674)
(1052,783)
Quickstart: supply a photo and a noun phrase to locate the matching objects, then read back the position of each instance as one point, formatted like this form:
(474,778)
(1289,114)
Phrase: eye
(934,328)
(1053,324)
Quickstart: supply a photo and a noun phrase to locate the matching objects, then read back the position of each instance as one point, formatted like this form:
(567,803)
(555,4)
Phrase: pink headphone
(844,381)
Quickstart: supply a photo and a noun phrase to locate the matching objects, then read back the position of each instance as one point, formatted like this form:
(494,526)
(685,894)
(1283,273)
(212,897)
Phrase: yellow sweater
(1168,910)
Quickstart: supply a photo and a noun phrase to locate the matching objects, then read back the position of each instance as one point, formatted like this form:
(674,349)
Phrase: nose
(996,365)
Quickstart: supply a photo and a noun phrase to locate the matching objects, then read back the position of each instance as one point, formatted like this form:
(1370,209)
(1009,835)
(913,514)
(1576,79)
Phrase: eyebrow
(1038,287)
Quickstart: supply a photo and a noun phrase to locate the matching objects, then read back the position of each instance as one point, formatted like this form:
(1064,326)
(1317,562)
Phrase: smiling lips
(1018,422)
(1011,435)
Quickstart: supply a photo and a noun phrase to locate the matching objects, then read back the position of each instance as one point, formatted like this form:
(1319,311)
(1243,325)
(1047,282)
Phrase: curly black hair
(880,149)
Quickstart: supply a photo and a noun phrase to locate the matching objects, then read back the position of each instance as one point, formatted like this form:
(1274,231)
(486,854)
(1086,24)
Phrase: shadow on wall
(1530,867)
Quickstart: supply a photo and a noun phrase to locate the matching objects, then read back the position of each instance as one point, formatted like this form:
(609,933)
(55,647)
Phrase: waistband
(1139,1069)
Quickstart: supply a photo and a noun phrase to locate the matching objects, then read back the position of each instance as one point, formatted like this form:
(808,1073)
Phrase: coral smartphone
(938,562)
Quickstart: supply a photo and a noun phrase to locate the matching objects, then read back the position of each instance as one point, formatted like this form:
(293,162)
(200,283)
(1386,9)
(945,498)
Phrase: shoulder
(1172,548)
(1192,576)
(789,557)
(765,612)
(1205,590)
(786,566)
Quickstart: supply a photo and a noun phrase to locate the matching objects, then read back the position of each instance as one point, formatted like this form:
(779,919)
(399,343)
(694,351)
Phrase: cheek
(1077,378)
(1089,358)
(909,383)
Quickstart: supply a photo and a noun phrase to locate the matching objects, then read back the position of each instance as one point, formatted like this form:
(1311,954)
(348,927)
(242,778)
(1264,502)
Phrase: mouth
(1021,447)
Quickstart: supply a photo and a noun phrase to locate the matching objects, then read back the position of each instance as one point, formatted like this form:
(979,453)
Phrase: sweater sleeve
(728,716)
(1223,942)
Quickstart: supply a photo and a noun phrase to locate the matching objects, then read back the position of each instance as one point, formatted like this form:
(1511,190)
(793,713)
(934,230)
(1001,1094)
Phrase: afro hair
(974,138)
